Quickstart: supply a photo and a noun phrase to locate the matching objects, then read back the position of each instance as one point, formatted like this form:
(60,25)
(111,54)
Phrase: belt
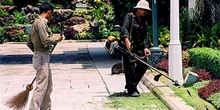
(45,52)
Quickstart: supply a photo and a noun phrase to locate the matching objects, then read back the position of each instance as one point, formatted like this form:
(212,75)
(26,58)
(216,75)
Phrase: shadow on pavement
(80,56)
(119,94)
(55,58)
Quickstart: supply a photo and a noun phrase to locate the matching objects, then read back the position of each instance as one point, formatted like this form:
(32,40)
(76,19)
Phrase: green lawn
(146,101)
(194,100)
(190,96)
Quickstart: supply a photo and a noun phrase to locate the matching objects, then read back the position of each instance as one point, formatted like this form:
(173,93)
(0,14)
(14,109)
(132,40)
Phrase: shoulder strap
(132,17)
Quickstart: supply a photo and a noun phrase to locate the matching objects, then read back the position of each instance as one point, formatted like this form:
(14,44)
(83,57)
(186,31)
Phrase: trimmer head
(157,77)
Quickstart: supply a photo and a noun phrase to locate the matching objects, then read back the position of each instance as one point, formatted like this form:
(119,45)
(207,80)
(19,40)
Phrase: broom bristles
(19,101)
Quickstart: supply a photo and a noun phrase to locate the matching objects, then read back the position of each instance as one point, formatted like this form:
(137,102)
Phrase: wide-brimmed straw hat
(143,4)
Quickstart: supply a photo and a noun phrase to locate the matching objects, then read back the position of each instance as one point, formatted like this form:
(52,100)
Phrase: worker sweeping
(40,42)
(135,40)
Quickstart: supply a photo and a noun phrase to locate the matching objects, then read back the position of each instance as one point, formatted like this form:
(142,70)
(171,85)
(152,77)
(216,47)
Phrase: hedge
(206,58)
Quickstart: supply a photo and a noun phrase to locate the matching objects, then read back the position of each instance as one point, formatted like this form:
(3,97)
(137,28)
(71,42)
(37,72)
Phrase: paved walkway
(81,75)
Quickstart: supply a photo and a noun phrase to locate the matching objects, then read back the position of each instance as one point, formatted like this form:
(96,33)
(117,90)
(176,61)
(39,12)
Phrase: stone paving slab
(82,77)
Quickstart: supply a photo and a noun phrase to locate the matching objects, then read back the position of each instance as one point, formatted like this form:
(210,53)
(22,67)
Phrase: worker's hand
(60,37)
(147,52)
(128,44)
(29,87)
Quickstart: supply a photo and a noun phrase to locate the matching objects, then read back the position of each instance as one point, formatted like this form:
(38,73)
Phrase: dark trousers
(134,71)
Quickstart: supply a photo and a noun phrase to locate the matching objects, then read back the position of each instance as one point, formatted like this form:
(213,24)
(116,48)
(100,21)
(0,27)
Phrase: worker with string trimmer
(135,40)
(138,58)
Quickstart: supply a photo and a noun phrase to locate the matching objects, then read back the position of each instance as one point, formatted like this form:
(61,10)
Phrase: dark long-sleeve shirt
(139,38)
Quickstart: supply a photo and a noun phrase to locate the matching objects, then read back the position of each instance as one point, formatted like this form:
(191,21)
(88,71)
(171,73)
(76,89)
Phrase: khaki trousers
(41,96)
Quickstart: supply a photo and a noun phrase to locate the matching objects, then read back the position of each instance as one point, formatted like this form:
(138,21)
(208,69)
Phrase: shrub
(215,100)
(42,1)
(164,36)
(56,29)
(84,35)
(185,62)
(208,37)
(70,33)
(211,88)
(163,65)
(19,37)
(20,18)
(82,13)
(188,69)
(203,74)
(206,58)
(2,35)
(7,2)
(3,13)
(200,84)
(115,34)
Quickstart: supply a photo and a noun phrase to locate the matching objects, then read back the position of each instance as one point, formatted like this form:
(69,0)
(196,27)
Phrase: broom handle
(33,80)
(60,35)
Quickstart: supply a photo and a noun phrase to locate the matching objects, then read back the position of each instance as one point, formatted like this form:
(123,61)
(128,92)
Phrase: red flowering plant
(203,74)
(163,65)
(213,87)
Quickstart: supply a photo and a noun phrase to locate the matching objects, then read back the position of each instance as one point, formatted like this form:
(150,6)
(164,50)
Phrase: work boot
(134,94)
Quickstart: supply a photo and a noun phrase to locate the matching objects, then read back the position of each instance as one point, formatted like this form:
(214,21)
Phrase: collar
(43,19)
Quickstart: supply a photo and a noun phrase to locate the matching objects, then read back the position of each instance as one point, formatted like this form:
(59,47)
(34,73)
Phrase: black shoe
(134,94)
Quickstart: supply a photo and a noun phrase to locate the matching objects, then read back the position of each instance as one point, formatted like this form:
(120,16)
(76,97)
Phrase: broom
(18,102)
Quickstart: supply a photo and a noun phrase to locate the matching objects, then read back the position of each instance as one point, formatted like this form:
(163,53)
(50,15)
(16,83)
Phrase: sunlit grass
(194,100)
(147,101)
(184,92)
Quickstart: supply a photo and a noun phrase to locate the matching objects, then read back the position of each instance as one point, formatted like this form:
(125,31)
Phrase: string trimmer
(156,78)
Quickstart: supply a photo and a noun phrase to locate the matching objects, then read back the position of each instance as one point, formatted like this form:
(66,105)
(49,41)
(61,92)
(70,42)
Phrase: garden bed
(205,93)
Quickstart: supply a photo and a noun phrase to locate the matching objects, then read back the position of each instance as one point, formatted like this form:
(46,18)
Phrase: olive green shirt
(41,38)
